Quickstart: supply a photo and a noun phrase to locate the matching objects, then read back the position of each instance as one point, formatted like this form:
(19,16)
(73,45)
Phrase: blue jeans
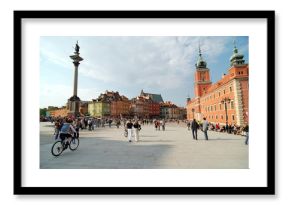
(205,134)
(247,138)
(194,134)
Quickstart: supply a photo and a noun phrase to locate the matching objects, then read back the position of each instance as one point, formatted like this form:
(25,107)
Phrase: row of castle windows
(211,117)
(213,96)
(214,107)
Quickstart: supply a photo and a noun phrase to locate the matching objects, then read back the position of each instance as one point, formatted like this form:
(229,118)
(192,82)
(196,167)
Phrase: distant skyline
(161,65)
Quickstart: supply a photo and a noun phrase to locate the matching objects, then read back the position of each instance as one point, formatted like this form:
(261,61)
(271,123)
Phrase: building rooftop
(168,104)
(154,97)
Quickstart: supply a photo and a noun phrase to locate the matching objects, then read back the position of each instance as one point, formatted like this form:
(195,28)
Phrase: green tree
(43,111)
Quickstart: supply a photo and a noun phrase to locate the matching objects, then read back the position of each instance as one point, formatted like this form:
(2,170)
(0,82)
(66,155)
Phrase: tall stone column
(75,91)
(74,101)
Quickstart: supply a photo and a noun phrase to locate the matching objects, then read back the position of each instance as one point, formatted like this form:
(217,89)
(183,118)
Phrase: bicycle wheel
(74,143)
(57,148)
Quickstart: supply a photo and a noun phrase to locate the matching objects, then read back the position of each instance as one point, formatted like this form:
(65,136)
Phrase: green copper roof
(156,97)
(237,58)
(200,62)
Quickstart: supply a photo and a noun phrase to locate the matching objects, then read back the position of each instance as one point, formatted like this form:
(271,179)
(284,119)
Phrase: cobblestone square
(174,148)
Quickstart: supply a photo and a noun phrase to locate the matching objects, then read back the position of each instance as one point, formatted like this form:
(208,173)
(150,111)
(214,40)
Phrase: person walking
(246,130)
(77,125)
(93,121)
(129,126)
(188,125)
(156,124)
(205,128)
(90,124)
(163,124)
(118,123)
(137,128)
(194,127)
(110,122)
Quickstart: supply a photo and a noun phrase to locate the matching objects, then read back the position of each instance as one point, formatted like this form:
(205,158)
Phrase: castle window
(216,117)
(220,106)
(233,117)
(214,107)
(224,91)
(232,104)
(222,117)
(219,94)
(230,89)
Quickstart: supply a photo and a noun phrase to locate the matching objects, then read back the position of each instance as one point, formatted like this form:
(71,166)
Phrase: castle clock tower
(202,77)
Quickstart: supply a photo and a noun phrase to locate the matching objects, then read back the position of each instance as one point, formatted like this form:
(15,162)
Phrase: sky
(157,64)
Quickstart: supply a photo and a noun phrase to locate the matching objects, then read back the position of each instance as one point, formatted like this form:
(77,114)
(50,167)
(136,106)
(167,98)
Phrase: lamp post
(192,113)
(225,101)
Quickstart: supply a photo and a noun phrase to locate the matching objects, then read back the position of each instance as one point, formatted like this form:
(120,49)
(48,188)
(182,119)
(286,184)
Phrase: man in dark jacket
(246,130)
(129,126)
(194,127)
(205,128)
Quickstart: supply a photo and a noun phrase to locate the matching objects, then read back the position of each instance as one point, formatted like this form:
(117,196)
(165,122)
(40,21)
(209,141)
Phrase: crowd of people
(205,126)
(88,123)
(132,127)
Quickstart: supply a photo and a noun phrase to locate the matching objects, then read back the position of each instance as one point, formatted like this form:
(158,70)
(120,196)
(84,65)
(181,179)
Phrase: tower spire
(188,98)
(199,48)
(200,64)
(235,46)
(236,58)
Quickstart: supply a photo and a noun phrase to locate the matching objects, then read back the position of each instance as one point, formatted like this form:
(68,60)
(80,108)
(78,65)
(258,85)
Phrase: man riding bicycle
(67,131)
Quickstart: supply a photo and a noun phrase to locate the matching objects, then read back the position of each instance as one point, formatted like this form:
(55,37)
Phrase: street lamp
(192,113)
(225,101)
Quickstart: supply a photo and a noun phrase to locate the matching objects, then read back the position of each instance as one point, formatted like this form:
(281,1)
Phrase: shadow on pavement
(102,153)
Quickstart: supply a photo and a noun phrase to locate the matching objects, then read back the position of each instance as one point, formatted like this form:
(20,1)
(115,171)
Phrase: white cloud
(54,54)
(57,95)
(153,63)
(144,60)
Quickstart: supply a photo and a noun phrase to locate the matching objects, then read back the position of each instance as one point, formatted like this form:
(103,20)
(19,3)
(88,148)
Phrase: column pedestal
(74,106)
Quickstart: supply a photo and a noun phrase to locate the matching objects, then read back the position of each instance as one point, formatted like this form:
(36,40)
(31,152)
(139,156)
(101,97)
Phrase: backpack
(65,128)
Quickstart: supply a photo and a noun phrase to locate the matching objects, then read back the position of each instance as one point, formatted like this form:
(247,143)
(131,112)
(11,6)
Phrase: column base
(74,106)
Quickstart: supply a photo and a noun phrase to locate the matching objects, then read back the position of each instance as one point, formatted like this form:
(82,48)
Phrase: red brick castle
(226,101)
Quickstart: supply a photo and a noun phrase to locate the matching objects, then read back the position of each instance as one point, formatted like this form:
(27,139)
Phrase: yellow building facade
(99,109)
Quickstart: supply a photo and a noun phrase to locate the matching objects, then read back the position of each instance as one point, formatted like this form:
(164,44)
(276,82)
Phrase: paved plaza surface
(174,148)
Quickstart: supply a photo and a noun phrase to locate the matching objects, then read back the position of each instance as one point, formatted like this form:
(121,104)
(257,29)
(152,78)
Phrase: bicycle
(59,146)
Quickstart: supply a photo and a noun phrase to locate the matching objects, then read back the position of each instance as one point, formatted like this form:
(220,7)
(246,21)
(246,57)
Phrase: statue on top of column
(77,48)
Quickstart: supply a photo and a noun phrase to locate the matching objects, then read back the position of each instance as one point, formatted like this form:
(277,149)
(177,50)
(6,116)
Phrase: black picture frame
(19,189)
